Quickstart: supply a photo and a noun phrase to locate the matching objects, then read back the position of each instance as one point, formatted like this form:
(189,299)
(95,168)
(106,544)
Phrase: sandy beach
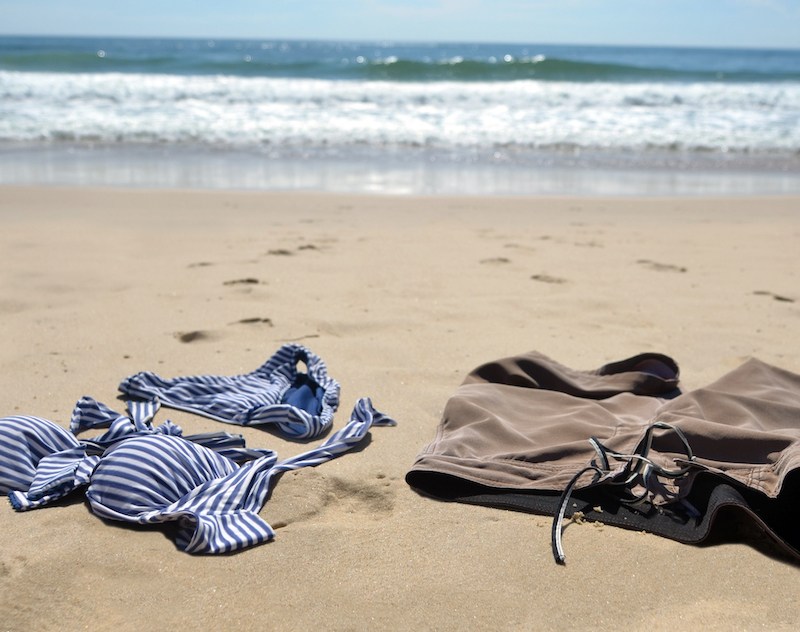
(401,296)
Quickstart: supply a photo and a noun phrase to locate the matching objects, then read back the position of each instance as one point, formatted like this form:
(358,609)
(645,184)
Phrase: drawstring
(635,468)
(555,539)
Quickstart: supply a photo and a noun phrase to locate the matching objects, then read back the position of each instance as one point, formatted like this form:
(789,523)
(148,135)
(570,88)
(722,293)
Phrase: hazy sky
(753,23)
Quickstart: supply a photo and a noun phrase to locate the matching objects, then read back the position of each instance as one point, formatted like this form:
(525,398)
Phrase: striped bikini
(210,484)
(300,405)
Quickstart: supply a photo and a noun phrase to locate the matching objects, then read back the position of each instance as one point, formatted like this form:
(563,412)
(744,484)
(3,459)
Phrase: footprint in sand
(311,495)
(661,267)
(546,278)
(253,321)
(247,281)
(12,307)
(496,260)
(777,297)
(192,336)
(13,566)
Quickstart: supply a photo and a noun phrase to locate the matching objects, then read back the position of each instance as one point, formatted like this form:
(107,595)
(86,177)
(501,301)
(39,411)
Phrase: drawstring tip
(558,549)
(555,533)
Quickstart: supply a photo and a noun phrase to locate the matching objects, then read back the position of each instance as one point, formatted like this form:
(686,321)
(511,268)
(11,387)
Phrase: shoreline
(400,172)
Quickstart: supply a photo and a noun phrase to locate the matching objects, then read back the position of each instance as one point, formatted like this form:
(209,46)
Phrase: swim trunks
(523,432)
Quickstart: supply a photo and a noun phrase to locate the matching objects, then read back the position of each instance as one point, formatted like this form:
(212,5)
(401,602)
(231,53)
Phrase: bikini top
(41,462)
(150,475)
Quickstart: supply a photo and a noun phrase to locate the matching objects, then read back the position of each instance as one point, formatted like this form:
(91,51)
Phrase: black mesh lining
(779,517)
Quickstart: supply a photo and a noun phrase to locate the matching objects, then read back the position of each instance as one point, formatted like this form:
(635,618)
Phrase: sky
(718,23)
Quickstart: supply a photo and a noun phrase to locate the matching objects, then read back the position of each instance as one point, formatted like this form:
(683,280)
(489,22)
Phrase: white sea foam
(276,113)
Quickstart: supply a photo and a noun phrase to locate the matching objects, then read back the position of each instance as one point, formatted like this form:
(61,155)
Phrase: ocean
(398,117)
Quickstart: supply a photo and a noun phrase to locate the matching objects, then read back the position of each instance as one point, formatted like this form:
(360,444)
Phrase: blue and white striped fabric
(91,414)
(155,479)
(138,474)
(300,405)
(41,462)
(146,474)
(24,441)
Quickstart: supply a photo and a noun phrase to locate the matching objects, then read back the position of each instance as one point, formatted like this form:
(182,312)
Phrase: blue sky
(752,23)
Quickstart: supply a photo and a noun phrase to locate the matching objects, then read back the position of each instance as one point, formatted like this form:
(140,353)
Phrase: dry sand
(401,296)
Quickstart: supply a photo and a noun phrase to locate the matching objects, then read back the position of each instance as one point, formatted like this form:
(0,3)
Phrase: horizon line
(400,41)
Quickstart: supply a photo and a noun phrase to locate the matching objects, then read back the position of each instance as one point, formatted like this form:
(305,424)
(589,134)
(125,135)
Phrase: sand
(401,296)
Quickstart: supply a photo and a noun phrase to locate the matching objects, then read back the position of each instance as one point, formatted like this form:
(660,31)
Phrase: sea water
(384,116)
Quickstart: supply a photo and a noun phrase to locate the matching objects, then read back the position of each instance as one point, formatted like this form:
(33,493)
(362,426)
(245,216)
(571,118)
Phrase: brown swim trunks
(518,431)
